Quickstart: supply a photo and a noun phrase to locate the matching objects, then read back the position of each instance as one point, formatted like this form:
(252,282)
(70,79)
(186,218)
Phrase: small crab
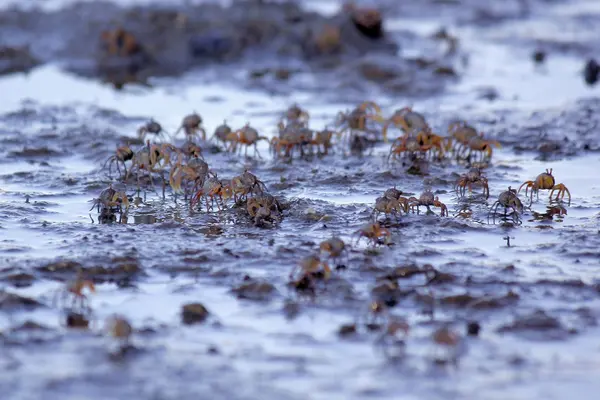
(460,134)
(393,338)
(212,188)
(191,124)
(153,128)
(194,172)
(551,211)
(296,115)
(323,138)
(74,291)
(545,181)
(112,199)
(388,207)
(310,268)
(473,177)
(374,233)
(334,247)
(477,145)
(407,120)
(427,199)
(122,154)
(356,120)
(245,184)
(509,200)
(291,137)
(222,132)
(119,328)
(408,146)
(120,42)
(246,136)
(264,208)
(448,341)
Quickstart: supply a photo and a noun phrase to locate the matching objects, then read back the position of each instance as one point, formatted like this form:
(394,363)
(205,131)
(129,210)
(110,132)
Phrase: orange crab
(407,120)
(374,233)
(356,120)
(545,181)
(477,144)
(246,136)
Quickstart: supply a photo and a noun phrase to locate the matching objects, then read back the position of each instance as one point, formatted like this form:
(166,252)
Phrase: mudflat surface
(532,285)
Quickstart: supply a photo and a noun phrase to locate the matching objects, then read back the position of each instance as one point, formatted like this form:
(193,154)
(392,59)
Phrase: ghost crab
(74,290)
(428,200)
(296,115)
(246,136)
(356,120)
(122,154)
(246,184)
(191,125)
(389,206)
(471,178)
(478,146)
(151,127)
(195,172)
(334,248)
(303,275)
(112,199)
(508,199)
(545,181)
(264,208)
(407,120)
(374,233)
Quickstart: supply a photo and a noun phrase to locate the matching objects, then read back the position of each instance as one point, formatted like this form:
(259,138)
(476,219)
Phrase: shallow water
(287,345)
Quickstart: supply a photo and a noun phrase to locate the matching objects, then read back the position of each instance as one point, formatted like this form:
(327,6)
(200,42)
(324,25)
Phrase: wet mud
(173,301)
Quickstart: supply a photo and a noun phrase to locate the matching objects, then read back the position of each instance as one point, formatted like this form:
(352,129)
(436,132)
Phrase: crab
(246,184)
(222,132)
(427,199)
(375,233)
(191,125)
(212,188)
(551,211)
(304,273)
(368,21)
(395,194)
(291,137)
(460,134)
(323,138)
(122,154)
(478,145)
(448,341)
(191,150)
(296,115)
(246,136)
(425,137)
(74,290)
(410,146)
(119,328)
(334,247)
(473,177)
(194,172)
(356,120)
(407,120)
(545,181)
(393,337)
(388,206)
(509,200)
(120,42)
(264,207)
(153,128)
(152,158)
(111,200)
